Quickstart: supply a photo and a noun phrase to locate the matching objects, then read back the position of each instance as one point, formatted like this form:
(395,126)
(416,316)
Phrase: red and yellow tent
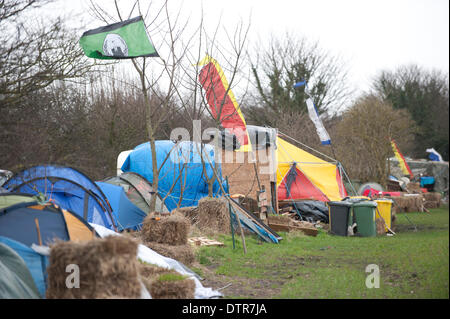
(301,175)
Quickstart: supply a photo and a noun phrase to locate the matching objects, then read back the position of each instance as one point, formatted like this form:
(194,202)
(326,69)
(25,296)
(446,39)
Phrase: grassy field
(413,264)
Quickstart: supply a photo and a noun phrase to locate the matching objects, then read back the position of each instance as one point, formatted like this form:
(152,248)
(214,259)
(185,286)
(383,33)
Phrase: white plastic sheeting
(147,255)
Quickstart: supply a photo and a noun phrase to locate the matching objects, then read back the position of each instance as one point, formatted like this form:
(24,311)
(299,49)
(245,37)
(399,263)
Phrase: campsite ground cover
(413,263)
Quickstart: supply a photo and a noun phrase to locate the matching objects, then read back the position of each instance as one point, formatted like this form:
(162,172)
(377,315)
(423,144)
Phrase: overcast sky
(369,35)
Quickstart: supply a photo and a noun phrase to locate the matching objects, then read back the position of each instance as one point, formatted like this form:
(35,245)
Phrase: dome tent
(126,214)
(44,223)
(16,281)
(69,188)
(138,190)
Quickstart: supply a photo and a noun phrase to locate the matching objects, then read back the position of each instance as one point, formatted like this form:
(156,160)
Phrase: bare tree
(281,63)
(363,137)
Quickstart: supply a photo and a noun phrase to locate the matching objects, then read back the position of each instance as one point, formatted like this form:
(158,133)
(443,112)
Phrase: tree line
(57,106)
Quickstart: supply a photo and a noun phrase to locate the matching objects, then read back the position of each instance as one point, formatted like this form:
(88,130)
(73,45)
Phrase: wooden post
(38,231)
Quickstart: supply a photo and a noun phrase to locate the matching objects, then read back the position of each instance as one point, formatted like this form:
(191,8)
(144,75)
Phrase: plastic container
(384,210)
(365,218)
(339,214)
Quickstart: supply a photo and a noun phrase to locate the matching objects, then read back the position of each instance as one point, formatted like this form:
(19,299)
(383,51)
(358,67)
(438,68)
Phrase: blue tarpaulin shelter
(69,188)
(182,174)
(126,214)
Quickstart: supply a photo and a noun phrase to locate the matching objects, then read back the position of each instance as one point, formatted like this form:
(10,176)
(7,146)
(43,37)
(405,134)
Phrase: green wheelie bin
(365,218)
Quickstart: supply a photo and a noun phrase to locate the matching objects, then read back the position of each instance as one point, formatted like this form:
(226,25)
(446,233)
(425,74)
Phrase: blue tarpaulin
(182,174)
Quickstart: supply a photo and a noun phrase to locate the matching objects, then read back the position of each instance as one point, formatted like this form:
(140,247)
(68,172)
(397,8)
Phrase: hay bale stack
(213,215)
(408,204)
(172,229)
(182,253)
(432,200)
(107,269)
(172,286)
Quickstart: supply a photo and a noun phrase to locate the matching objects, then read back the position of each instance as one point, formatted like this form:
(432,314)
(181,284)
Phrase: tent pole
(231,220)
(348,179)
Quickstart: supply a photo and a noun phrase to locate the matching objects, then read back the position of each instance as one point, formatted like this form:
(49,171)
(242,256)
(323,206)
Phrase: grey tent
(138,190)
(16,281)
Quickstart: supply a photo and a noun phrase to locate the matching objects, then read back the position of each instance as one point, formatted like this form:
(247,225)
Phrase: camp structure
(16,281)
(67,187)
(126,214)
(25,225)
(287,172)
(43,224)
(185,168)
(303,176)
(138,190)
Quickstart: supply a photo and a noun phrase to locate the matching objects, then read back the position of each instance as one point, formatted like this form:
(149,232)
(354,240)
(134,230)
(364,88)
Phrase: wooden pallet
(288,228)
(203,241)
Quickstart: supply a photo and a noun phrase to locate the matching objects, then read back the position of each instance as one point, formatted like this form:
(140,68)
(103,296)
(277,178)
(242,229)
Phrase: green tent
(16,281)
(9,199)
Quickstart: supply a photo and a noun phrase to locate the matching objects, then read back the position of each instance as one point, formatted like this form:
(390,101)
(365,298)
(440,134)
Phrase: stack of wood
(287,224)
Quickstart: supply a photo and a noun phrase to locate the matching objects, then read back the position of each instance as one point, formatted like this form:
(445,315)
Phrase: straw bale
(431,204)
(182,253)
(408,203)
(414,188)
(152,272)
(107,268)
(172,229)
(213,215)
(432,197)
(172,289)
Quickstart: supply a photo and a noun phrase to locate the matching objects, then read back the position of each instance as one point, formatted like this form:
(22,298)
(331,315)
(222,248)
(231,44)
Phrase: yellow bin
(385,210)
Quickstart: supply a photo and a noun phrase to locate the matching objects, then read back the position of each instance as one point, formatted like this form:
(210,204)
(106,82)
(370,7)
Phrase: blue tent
(67,187)
(28,223)
(126,214)
(182,173)
(36,263)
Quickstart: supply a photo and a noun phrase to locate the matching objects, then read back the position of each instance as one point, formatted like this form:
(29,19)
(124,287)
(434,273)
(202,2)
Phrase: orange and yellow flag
(222,101)
(401,160)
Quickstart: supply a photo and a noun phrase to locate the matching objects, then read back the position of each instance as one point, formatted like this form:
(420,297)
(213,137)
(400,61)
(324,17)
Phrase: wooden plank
(280,227)
(255,219)
(203,241)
